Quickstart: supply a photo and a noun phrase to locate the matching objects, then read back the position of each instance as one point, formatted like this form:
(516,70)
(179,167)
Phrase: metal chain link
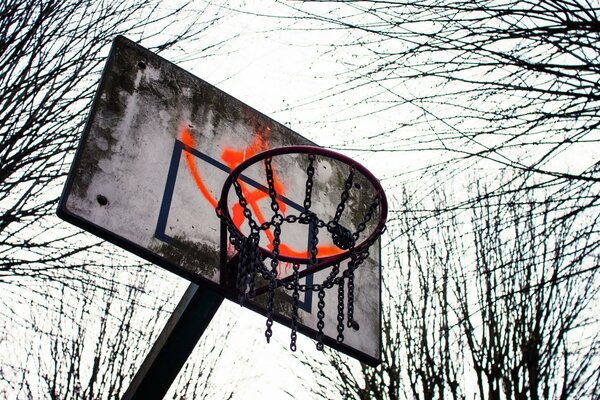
(340,313)
(271,186)
(313,241)
(295,303)
(310,172)
(351,300)
(342,236)
(244,204)
(368,215)
(251,264)
(273,281)
(344,196)
(320,317)
(331,278)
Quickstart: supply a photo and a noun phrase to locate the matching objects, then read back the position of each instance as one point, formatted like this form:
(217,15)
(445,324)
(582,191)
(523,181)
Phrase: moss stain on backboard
(196,258)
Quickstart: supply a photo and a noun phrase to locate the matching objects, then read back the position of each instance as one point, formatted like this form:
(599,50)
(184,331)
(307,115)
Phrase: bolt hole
(355,325)
(102,200)
(142,65)
(357,185)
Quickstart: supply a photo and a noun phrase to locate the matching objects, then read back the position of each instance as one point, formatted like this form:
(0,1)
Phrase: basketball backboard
(157,147)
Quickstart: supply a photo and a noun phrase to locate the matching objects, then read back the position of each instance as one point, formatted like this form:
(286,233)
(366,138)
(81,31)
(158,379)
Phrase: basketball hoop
(352,243)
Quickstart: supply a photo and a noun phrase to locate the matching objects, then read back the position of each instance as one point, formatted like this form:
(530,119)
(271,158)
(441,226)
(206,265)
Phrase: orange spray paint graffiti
(232,158)
(186,138)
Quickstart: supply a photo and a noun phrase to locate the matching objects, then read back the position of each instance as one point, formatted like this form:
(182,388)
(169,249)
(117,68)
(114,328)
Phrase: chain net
(252,262)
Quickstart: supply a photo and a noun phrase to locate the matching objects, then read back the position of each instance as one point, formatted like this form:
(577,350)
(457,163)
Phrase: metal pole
(178,338)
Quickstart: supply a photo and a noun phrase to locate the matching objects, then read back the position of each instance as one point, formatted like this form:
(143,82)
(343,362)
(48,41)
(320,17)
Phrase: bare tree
(531,341)
(51,55)
(87,342)
(502,94)
(511,82)
(72,306)
(470,86)
(475,307)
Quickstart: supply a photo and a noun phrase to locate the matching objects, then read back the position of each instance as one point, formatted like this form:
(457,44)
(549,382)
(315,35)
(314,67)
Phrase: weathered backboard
(156,149)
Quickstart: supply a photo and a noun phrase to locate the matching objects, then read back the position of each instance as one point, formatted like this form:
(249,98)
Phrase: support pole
(175,343)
